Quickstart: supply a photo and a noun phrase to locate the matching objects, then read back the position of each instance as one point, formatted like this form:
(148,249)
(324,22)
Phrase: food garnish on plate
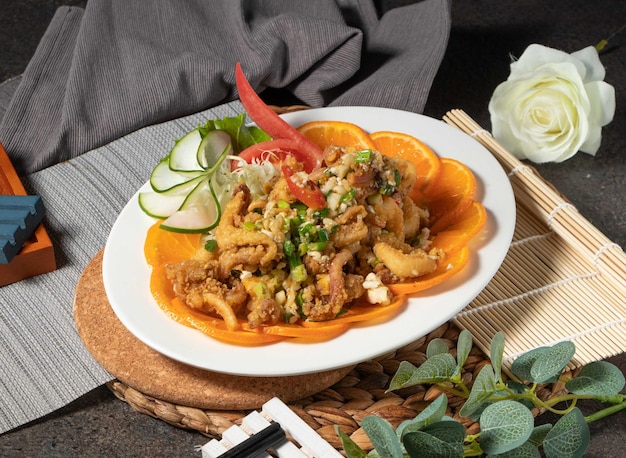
(270,232)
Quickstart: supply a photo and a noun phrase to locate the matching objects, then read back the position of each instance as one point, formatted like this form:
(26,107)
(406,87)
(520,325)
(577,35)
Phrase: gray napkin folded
(119,65)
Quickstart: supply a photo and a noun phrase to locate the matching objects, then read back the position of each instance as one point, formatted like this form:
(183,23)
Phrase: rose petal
(592,144)
(590,58)
(602,97)
(537,55)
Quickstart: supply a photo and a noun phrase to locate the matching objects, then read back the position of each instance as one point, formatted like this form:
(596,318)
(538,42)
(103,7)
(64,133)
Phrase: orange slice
(328,330)
(166,246)
(397,144)
(450,195)
(337,133)
(363,312)
(466,226)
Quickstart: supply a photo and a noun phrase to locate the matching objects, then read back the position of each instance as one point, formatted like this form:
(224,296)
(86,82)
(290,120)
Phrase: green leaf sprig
(501,407)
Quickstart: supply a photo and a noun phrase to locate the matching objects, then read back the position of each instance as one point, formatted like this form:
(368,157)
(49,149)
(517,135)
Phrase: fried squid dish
(306,246)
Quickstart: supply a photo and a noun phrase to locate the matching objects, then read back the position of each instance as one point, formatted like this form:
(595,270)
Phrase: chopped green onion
(306,229)
(300,208)
(294,223)
(299,273)
(322,235)
(210,245)
(295,261)
(261,290)
(300,303)
(317,246)
(387,189)
(363,156)
(283,204)
(347,197)
(302,249)
(397,177)
(249,226)
(289,248)
(321,214)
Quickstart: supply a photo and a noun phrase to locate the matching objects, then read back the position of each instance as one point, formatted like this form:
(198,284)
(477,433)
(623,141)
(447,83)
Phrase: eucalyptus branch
(549,407)
(501,408)
(463,393)
(606,412)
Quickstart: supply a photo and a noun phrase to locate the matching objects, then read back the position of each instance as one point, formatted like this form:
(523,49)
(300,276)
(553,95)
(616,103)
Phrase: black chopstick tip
(257,443)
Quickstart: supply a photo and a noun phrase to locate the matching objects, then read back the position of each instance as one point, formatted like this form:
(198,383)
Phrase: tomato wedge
(309,193)
(276,151)
(269,121)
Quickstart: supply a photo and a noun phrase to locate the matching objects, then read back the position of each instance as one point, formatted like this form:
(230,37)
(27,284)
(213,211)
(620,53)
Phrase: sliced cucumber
(163,178)
(160,205)
(200,211)
(190,185)
(184,156)
(215,145)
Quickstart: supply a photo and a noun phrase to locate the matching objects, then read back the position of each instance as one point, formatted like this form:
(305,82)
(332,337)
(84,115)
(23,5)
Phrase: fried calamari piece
(232,238)
(195,284)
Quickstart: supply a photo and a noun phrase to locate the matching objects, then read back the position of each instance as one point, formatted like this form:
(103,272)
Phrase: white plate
(126,273)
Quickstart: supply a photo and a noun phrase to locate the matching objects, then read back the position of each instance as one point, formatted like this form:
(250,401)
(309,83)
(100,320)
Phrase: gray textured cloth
(118,65)
(111,87)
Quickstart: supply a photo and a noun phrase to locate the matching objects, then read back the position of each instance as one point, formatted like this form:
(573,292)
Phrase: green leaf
(544,364)
(504,426)
(496,351)
(382,436)
(419,444)
(526,450)
(521,366)
(242,135)
(451,432)
(436,347)
(483,387)
(539,434)
(463,347)
(435,369)
(598,378)
(402,375)
(349,446)
(433,413)
(550,365)
(569,438)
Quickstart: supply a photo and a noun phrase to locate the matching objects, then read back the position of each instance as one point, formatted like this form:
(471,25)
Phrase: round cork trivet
(135,364)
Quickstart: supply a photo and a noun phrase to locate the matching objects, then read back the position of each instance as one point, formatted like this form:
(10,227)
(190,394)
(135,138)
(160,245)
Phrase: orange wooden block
(37,254)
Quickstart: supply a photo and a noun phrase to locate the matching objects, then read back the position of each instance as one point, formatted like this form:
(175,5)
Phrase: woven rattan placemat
(561,280)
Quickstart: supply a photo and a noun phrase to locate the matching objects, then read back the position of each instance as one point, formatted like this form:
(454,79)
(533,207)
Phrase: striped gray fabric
(76,130)
(44,364)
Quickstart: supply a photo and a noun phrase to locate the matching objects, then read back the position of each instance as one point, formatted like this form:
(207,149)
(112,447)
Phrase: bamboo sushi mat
(561,280)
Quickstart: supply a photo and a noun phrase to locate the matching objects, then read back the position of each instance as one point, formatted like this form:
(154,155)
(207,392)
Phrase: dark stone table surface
(484,35)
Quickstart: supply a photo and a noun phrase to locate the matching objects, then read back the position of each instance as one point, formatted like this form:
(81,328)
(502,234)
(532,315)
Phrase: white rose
(552,105)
